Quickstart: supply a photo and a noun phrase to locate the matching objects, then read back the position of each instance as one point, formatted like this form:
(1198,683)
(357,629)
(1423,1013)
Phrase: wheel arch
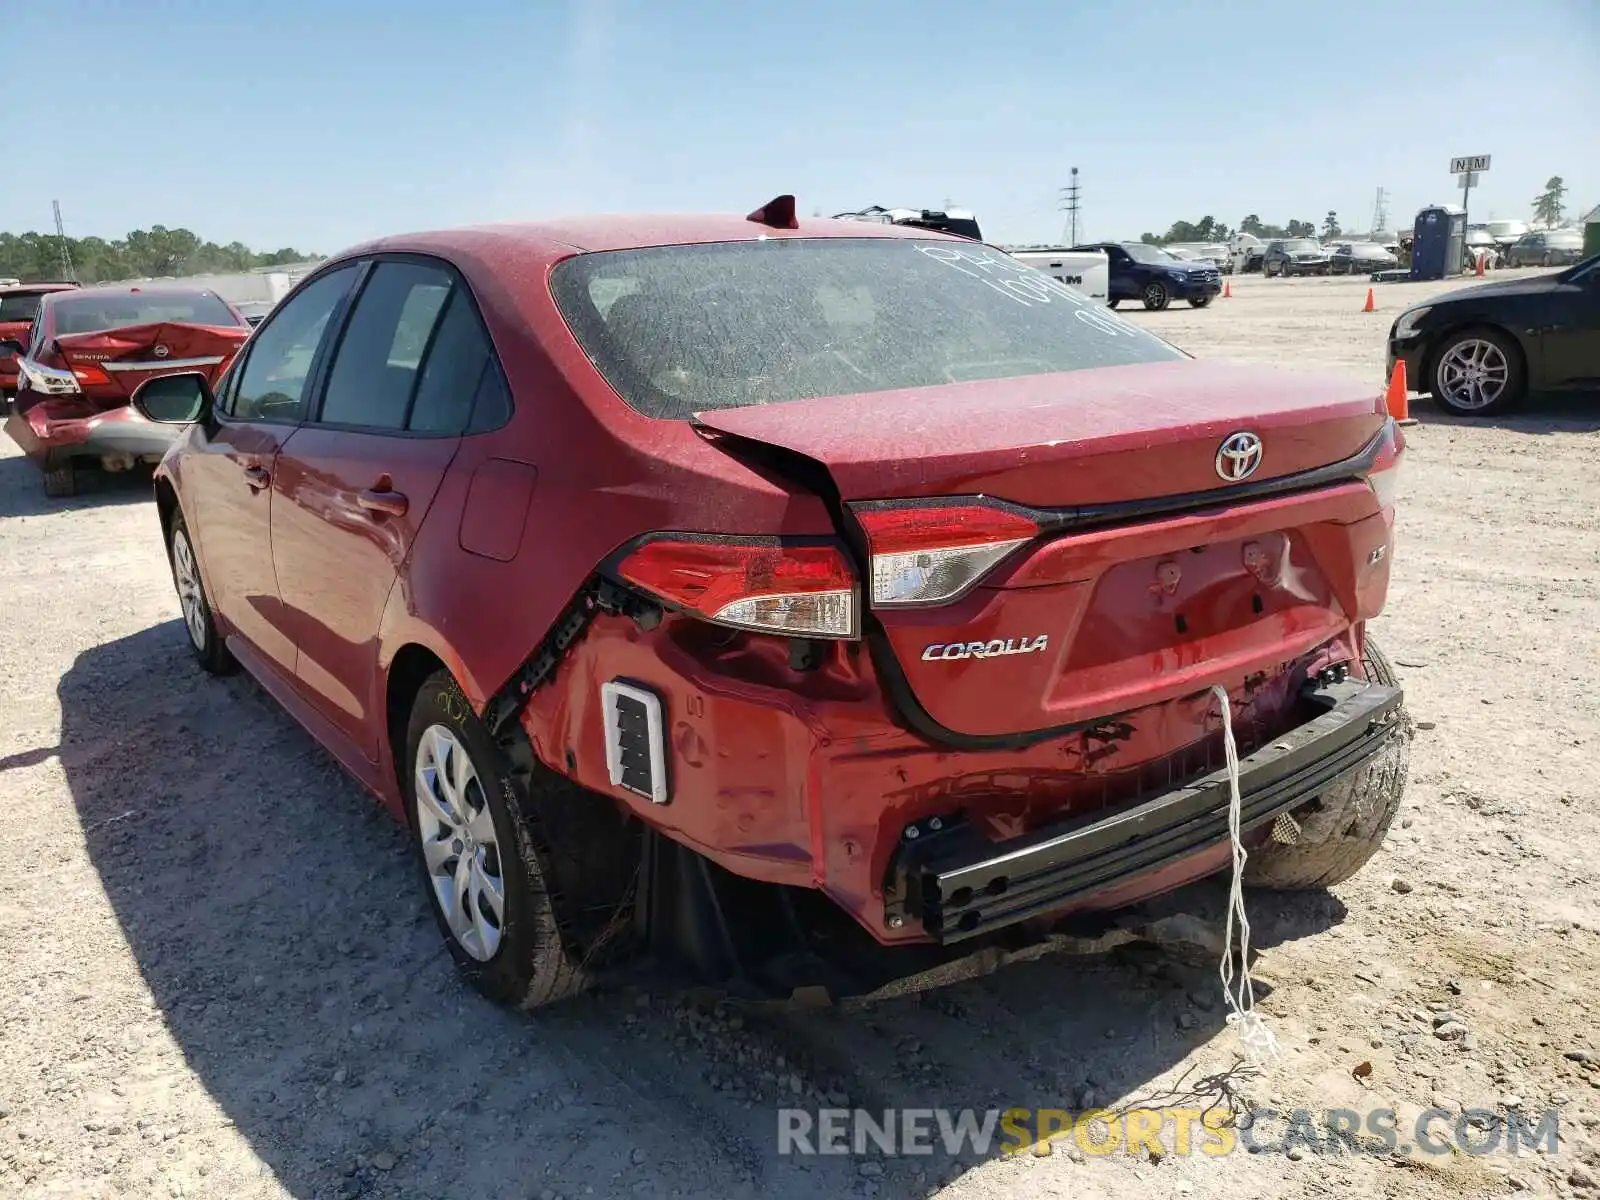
(166,505)
(1443,336)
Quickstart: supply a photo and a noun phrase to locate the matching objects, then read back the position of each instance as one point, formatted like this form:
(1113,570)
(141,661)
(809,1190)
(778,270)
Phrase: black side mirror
(10,346)
(174,399)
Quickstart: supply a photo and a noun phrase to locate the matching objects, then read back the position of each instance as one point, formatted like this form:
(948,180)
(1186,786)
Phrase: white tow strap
(1258,1041)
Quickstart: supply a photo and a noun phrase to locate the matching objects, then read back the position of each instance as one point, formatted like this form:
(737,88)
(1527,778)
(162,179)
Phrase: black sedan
(1480,350)
(1361,258)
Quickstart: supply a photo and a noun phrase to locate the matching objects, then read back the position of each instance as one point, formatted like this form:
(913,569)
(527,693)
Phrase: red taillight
(93,376)
(936,553)
(804,591)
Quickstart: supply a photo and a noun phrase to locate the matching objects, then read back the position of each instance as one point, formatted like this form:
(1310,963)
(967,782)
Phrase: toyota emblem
(1238,456)
(160,351)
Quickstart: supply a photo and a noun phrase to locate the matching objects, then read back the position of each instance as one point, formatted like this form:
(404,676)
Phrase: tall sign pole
(1467,167)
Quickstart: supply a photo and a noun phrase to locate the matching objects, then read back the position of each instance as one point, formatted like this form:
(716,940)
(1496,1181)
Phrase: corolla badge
(997,648)
(1238,456)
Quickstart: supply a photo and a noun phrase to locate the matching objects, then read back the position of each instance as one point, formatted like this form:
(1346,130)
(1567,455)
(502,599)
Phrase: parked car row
(598,549)
(1546,248)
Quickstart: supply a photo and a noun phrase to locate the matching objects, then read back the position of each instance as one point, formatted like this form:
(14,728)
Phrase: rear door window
(415,357)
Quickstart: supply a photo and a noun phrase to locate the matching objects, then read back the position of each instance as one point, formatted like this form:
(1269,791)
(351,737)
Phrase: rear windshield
(683,329)
(89,314)
(19,306)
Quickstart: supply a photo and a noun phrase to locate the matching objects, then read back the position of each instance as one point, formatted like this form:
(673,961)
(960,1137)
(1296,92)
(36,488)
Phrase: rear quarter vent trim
(636,752)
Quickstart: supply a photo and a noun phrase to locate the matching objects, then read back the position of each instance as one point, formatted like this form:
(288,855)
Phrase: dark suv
(1296,256)
(1154,276)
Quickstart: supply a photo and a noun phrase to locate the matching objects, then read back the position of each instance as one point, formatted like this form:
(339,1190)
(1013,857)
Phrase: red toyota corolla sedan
(799,602)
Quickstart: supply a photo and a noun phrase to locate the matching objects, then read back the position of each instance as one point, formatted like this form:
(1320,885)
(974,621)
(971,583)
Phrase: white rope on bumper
(1254,1035)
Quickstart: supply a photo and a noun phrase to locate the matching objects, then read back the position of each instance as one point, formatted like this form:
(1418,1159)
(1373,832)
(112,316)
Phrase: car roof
(128,289)
(31,289)
(560,236)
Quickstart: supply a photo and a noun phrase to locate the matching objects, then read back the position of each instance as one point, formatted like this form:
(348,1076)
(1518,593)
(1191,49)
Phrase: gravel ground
(221,978)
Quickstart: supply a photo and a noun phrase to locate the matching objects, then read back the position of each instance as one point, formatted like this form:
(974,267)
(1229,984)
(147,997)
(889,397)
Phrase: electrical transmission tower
(61,240)
(1380,212)
(1069,205)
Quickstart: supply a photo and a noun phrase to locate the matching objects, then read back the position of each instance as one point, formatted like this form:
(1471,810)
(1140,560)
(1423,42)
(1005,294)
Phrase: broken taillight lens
(933,554)
(1384,475)
(91,375)
(750,583)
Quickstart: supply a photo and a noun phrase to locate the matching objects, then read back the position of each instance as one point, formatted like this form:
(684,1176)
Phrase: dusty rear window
(90,314)
(683,329)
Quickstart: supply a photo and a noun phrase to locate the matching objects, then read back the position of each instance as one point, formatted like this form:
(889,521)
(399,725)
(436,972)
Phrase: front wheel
(530,876)
(1477,372)
(1199,301)
(209,650)
(1344,826)
(1156,296)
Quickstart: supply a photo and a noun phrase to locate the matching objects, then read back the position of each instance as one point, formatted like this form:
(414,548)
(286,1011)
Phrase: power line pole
(61,240)
(1069,205)
(1380,212)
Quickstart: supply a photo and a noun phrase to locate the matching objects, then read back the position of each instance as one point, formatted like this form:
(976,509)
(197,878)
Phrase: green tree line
(1209,229)
(143,253)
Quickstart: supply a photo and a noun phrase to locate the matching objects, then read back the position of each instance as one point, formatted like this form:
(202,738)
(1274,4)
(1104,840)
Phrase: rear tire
(60,482)
(567,859)
(1346,825)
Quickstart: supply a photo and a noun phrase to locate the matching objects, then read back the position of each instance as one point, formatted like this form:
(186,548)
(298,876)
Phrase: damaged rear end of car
(96,347)
(959,687)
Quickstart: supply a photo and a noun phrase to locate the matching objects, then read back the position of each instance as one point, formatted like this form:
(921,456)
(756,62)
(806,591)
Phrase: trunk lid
(1081,438)
(1144,604)
(111,363)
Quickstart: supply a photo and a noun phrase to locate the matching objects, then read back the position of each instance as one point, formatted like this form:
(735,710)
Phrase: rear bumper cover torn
(960,885)
(52,433)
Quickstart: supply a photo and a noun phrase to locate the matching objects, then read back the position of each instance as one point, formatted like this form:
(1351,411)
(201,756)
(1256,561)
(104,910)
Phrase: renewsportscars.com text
(1163,1131)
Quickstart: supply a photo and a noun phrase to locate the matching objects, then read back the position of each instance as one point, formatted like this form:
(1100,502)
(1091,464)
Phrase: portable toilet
(1591,233)
(1437,246)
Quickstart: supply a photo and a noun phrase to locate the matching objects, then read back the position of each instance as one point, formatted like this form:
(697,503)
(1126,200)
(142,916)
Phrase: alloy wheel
(1473,373)
(460,848)
(187,578)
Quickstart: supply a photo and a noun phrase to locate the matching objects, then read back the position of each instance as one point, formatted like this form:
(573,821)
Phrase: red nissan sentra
(88,349)
(803,602)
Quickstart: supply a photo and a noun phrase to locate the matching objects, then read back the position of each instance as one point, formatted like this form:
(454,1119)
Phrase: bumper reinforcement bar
(960,885)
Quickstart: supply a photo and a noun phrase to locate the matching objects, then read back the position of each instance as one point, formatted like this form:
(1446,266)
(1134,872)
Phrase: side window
(272,384)
(375,368)
(461,388)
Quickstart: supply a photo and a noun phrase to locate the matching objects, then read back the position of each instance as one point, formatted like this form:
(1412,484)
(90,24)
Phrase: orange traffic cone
(1371,305)
(1397,400)
(1227,290)
(1480,265)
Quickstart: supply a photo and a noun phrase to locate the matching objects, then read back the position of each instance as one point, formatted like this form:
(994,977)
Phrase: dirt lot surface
(220,977)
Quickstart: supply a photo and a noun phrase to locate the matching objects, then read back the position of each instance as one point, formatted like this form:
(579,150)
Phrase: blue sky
(318,124)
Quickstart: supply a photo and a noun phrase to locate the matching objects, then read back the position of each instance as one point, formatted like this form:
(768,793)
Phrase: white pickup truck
(1086,271)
